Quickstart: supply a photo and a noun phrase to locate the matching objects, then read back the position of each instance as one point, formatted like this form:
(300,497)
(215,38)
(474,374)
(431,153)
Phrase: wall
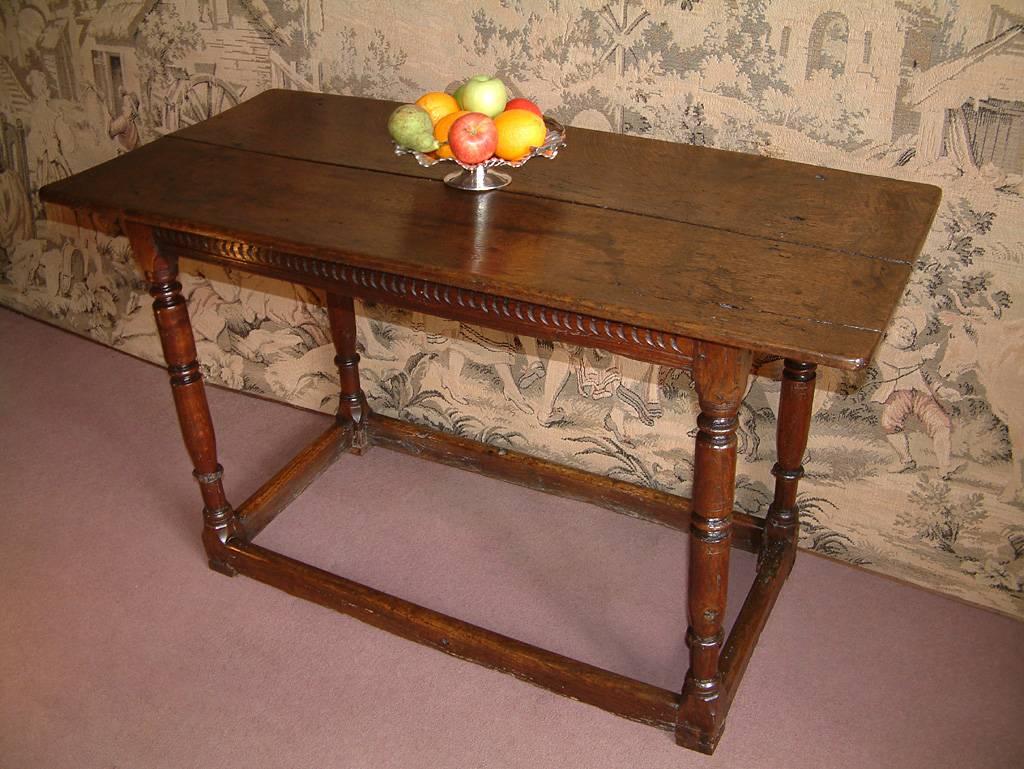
(915,468)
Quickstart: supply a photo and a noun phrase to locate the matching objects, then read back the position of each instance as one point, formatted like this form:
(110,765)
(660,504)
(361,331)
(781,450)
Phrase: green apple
(484,94)
(410,126)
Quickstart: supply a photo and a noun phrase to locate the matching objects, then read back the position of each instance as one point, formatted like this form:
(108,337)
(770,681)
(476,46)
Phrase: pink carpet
(120,649)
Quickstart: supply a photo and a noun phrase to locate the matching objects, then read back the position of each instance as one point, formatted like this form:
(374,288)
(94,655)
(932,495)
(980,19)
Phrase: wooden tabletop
(780,257)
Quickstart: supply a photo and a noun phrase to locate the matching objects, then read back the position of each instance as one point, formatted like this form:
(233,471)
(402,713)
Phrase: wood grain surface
(713,245)
(698,185)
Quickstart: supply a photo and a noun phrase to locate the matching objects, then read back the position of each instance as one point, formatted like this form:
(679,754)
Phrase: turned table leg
(352,408)
(720,375)
(796,403)
(219,521)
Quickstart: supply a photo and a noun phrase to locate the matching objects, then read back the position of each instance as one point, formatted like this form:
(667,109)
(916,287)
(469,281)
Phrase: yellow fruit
(444,125)
(519,131)
(438,104)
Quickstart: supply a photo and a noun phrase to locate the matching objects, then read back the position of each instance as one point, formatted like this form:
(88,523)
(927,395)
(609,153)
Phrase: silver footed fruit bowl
(483,176)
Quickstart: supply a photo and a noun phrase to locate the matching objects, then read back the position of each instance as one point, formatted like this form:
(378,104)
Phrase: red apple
(473,138)
(520,103)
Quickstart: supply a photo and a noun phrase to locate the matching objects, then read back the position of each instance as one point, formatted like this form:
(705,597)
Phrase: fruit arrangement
(477,126)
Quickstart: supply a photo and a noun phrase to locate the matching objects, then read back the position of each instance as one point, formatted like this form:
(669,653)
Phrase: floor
(119,649)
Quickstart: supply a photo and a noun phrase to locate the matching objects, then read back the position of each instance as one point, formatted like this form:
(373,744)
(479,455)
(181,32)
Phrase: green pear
(410,126)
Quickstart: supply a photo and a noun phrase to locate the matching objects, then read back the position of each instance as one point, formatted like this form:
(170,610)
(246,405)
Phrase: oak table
(685,256)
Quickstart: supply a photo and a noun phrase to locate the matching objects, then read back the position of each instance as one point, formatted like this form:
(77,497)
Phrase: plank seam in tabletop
(560,199)
(256,126)
(724,286)
(53,194)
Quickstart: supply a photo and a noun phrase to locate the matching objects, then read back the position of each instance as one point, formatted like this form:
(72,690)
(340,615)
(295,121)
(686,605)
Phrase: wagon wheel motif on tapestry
(199,97)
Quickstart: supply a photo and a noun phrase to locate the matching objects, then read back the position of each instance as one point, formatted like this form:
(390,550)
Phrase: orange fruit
(519,131)
(444,125)
(438,104)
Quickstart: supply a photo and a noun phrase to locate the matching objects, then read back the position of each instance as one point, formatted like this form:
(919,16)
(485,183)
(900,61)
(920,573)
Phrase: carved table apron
(682,256)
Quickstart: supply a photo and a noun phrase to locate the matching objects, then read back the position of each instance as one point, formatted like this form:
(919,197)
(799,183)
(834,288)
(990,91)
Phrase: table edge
(225,247)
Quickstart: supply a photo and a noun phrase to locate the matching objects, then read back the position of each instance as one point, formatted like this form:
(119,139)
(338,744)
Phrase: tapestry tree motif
(928,90)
